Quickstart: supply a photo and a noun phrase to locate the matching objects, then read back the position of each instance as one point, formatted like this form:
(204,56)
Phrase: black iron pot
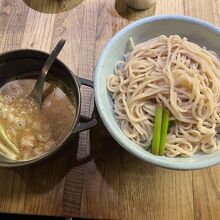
(21,64)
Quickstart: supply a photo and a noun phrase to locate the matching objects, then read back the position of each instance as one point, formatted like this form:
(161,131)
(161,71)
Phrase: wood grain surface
(92,176)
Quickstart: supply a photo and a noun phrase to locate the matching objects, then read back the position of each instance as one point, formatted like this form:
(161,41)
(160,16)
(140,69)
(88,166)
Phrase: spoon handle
(52,57)
(36,93)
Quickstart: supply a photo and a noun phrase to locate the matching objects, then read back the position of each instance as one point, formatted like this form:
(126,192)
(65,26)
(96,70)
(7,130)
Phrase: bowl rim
(156,160)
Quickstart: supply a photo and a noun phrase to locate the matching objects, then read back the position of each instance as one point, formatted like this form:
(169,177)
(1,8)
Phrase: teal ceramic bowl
(195,30)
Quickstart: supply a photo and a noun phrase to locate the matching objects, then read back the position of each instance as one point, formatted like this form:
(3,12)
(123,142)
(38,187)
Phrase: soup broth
(32,130)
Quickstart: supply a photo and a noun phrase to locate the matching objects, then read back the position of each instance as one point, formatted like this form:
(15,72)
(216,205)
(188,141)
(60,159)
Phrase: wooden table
(94,177)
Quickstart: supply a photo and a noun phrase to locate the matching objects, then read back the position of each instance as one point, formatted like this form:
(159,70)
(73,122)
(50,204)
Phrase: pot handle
(85,123)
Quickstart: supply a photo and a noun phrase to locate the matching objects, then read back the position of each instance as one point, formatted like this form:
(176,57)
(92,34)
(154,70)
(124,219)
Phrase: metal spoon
(37,91)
